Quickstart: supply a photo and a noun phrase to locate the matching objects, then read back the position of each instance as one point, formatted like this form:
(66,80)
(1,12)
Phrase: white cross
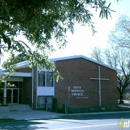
(99,84)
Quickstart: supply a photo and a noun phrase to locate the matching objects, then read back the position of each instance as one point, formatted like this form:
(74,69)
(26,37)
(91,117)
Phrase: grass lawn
(7,120)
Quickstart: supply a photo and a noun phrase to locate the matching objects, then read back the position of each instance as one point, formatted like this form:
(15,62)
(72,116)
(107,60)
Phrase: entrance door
(12,95)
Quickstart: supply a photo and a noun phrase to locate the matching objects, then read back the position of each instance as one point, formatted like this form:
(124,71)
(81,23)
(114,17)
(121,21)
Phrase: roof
(23,64)
(17,74)
(84,57)
(26,63)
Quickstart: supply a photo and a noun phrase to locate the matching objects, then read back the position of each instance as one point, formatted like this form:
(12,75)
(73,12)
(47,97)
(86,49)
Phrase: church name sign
(77,91)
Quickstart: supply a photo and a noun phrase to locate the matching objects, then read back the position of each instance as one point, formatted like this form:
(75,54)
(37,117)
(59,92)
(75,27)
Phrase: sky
(82,41)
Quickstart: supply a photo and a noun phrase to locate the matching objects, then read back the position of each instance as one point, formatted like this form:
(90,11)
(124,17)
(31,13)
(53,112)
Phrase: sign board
(78,92)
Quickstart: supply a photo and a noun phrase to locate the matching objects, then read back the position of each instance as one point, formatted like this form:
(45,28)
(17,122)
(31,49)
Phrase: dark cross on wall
(99,84)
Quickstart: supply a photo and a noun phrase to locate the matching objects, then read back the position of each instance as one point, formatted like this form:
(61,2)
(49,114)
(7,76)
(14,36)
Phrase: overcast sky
(82,41)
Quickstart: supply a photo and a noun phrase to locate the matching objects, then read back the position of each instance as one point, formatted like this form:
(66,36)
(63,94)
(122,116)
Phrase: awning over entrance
(13,94)
(18,74)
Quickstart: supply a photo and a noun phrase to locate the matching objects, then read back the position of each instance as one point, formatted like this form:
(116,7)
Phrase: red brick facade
(27,90)
(79,77)
(77,72)
(35,88)
(24,70)
(27,86)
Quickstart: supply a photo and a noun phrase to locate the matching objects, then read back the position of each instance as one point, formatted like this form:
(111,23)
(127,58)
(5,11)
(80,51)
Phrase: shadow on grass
(7,120)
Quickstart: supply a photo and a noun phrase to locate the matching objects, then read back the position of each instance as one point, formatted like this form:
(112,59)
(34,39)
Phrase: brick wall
(34,87)
(27,90)
(77,72)
(27,69)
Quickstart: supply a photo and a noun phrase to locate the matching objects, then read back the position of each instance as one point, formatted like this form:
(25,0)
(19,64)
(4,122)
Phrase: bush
(54,104)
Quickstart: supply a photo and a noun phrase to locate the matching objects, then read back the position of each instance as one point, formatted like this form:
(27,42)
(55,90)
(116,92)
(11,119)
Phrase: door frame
(12,95)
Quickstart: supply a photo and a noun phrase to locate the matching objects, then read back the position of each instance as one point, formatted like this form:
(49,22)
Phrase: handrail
(30,103)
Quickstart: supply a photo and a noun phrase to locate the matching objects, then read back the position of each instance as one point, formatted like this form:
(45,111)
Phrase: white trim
(21,74)
(44,69)
(14,79)
(18,74)
(84,57)
(45,91)
(98,78)
(23,64)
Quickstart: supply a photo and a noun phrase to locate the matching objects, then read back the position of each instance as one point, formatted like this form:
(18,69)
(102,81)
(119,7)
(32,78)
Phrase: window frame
(45,79)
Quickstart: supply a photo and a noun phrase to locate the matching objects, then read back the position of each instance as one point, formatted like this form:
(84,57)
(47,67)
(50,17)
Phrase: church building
(86,83)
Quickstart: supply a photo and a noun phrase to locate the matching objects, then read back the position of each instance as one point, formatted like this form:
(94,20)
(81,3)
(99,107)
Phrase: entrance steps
(15,107)
(19,107)
(4,109)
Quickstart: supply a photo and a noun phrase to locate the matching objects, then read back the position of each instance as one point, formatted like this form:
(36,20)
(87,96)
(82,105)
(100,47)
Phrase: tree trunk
(121,98)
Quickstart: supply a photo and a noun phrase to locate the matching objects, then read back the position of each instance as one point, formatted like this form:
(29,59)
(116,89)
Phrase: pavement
(27,115)
(41,114)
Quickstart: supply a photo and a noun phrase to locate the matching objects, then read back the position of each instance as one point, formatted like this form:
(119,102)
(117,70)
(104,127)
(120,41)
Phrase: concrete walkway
(41,114)
(26,115)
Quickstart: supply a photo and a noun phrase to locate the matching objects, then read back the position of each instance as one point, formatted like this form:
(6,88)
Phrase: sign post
(68,100)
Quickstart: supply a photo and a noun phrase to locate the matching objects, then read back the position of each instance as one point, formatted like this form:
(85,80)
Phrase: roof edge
(22,64)
(86,58)
(25,64)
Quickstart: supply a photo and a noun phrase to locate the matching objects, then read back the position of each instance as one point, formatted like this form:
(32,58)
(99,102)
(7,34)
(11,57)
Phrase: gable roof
(26,63)
(23,64)
(83,57)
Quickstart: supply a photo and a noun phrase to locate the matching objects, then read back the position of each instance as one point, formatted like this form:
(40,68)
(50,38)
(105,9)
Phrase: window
(41,102)
(44,102)
(45,78)
(41,78)
(49,79)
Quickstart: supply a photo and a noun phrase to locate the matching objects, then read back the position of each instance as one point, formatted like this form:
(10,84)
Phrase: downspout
(32,85)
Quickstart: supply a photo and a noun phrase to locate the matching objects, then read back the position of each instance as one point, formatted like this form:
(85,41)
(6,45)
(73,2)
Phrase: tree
(97,54)
(117,58)
(120,35)
(41,20)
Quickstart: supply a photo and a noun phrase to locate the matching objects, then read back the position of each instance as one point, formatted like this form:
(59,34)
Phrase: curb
(97,113)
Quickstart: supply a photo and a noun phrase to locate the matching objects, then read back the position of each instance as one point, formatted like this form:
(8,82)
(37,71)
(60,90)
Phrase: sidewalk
(26,115)
(41,114)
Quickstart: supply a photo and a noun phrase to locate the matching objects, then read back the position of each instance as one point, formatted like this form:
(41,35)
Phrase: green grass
(7,120)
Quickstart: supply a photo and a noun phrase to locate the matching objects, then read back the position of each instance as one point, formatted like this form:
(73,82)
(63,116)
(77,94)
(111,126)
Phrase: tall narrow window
(41,78)
(49,79)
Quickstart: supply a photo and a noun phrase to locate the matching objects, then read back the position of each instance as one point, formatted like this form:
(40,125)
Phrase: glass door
(12,95)
(1,96)
(15,97)
(8,96)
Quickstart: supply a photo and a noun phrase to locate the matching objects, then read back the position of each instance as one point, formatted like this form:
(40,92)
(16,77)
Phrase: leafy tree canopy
(41,20)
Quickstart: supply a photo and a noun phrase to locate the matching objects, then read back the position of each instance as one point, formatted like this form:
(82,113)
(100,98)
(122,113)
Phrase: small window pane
(41,78)
(49,79)
(41,102)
